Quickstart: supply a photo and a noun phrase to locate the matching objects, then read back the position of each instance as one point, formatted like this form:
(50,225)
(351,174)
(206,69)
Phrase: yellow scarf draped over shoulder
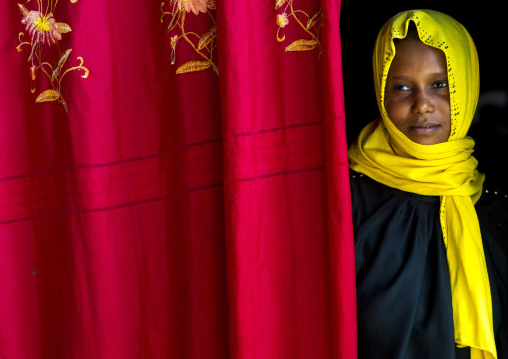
(447,169)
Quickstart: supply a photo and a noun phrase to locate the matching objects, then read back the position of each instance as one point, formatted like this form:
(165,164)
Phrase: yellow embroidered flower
(194,5)
(42,28)
(282,19)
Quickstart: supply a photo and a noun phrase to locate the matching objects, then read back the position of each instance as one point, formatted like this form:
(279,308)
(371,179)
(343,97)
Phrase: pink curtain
(174,194)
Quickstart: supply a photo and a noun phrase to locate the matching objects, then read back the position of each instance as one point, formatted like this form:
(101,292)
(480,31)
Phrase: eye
(440,84)
(402,88)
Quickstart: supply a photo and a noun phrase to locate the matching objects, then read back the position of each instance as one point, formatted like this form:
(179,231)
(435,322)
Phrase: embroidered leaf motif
(48,95)
(314,18)
(23,9)
(302,45)
(60,63)
(193,66)
(279,3)
(63,28)
(207,37)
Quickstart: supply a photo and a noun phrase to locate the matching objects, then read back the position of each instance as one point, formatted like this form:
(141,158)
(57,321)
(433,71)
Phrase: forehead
(412,55)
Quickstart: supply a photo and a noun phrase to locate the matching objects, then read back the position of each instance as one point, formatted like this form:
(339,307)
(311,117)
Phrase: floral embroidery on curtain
(312,25)
(203,44)
(44,30)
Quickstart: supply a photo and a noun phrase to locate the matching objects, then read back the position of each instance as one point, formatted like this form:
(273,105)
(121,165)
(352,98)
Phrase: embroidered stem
(313,22)
(211,17)
(293,12)
(184,35)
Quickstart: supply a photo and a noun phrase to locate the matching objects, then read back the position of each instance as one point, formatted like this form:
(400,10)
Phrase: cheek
(444,109)
(396,111)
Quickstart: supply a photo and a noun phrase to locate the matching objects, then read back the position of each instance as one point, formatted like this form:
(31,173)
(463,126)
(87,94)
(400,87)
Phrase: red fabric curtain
(174,181)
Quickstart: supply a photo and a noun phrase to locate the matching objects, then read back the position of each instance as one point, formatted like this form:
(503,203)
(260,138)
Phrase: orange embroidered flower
(42,28)
(194,5)
(174,40)
(282,19)
(32,72)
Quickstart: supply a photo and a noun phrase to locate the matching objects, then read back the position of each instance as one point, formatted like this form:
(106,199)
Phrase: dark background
(360,24)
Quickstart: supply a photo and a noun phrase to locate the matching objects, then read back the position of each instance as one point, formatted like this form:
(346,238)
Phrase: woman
(431,244)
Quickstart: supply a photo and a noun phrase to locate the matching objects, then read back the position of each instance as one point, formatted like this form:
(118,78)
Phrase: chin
(428,141)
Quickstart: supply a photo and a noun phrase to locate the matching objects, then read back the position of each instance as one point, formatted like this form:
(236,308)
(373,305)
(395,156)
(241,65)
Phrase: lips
(424,129)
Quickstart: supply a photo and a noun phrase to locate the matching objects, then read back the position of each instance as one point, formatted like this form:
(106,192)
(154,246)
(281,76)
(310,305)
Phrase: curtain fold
(182,190)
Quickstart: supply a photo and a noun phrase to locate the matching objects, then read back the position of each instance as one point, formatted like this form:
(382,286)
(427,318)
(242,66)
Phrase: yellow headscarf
(447,169)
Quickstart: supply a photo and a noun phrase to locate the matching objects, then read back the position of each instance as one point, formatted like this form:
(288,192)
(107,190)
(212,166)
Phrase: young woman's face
(417,97)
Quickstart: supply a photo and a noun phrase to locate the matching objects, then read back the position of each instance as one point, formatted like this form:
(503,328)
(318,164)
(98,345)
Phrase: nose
(423,103)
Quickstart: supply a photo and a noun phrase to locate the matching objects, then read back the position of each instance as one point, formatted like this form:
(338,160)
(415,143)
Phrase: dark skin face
(417,97)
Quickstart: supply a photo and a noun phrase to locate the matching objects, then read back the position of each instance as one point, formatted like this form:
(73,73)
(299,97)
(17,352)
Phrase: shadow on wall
(490,131)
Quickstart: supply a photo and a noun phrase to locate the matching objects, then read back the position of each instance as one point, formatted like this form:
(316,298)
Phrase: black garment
(403,285)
